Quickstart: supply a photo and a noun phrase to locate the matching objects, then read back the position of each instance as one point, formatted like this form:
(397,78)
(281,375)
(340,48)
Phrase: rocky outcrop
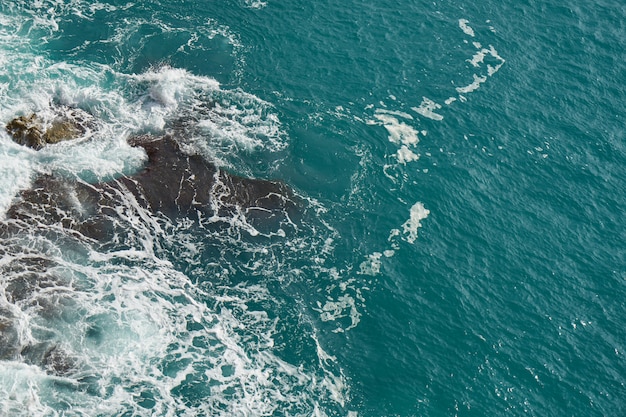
(172,183)
(177,184)
(36,131)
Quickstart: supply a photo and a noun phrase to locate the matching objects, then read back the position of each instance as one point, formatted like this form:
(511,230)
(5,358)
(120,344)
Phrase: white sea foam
(246,123)
(168,86)
(463,24)
(405,155)
(255,4)
(371,266)
(19,389)
(417,214)
(473,86)
(427,109)
(479,57)
(399,132)
(342,307)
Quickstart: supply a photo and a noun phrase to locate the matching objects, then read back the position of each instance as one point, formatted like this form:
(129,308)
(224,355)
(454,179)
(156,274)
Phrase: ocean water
(461,250)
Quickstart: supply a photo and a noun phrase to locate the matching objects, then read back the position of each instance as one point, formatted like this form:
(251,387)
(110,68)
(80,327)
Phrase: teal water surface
(463,167)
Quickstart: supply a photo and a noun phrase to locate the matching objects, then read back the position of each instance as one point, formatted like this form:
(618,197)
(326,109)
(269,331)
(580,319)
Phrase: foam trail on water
(400,133)
(473,86)
(373,263)
(485,58)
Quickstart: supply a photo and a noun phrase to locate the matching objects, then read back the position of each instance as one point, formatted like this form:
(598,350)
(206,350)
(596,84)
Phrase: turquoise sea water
(462,252)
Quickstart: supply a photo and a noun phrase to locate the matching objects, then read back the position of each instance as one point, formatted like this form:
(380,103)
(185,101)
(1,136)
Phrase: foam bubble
(405,155)
(473,86)
(427,109)
(255,4)
(463,24)
(372,265)
(418,212)
(399,132)
(479,57)
(343,307)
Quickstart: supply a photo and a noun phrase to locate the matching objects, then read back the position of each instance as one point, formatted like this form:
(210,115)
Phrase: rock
(36,132)
(177,184)
(24,277)
(9,335)
(73,205)
(61,130)
(56,361)
(172,183)
(27,131)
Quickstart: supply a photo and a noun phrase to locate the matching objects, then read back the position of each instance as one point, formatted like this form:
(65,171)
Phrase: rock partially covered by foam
(36,131)
(173,184)
(177,184)
(26,131)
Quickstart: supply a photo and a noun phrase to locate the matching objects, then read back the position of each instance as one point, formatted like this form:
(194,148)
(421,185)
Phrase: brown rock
(27,131)
(35,133)
(62,130)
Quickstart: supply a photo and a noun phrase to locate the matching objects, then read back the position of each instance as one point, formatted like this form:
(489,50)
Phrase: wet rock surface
(26,131)
(9,335)
(37,131)
(172,183)
(178,184)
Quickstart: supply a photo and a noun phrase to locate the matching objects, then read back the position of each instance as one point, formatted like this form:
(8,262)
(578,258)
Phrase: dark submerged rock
(51,357)
(177,184)
(171,183)
(74,205)
(9,338)
(57,361)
